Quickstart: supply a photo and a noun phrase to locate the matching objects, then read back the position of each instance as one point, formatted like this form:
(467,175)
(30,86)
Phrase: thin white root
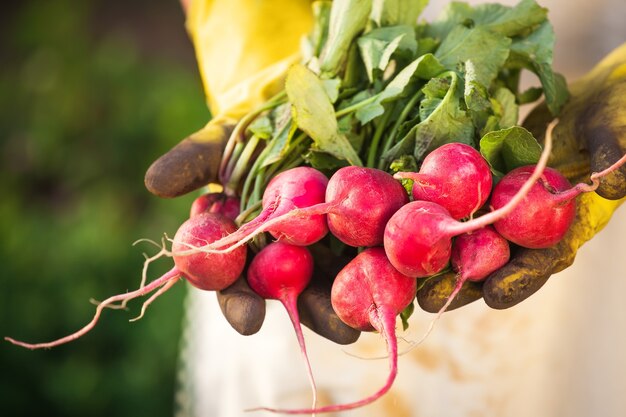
(148,260)
(169,276)
(154,296)
(111,306)
(145,240)
(144,273)
(375,358)
(457,288)
(162,252)
(364,358)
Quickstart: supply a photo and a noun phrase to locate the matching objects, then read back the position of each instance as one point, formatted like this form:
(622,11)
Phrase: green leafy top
(378,86)
(314,114)
(508,149)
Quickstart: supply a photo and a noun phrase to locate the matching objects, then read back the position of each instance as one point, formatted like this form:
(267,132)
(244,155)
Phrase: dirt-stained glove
(192,163)
(434,292)
(590,136)
(243,49)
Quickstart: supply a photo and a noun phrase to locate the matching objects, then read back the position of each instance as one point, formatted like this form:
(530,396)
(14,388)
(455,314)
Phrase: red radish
(418,237)
(415,240)
(203,203)
(368,294)
(455,176)
(366,198)
(210,272)
(549,208)
(541,221)
(281,271)
(475,255)
(297,188)
(204,271)
(293,189)
(546,213)
(359,202)
(216,203)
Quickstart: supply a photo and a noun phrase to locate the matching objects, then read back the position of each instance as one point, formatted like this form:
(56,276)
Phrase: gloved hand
(590,125)
(590,136)
(243,49)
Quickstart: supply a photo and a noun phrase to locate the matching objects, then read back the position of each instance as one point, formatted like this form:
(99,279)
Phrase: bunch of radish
(426,200)
(403,237)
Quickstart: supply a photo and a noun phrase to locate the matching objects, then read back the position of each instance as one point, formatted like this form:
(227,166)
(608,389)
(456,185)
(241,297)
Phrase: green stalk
(259,187)
(372,152)
(242,163)
(298,140)
(294,163)
(276,167)
(245,214)
(238,133)
(232,161)
(389,141)
(321,19)
(254,172)
(356,106)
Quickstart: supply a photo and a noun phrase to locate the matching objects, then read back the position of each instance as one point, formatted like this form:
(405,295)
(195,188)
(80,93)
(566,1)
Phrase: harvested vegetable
(380,95)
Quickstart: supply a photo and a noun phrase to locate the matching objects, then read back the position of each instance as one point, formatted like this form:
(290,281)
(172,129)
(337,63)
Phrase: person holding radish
(316,105)
(589,122)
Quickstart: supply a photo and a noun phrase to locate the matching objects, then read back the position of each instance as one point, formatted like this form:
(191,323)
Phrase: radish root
(172,275)
(153,297)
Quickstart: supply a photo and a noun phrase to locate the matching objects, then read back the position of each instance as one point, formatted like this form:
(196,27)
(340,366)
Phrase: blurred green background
(91,92)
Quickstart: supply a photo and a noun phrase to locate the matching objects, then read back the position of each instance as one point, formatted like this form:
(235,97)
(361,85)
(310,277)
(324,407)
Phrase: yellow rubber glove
(244,48)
